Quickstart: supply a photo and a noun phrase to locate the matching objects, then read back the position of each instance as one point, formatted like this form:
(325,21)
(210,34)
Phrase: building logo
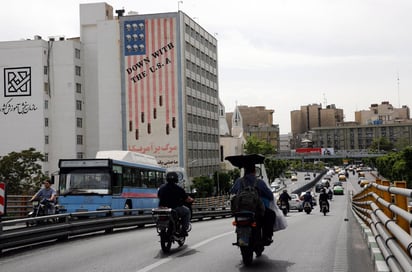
(17,81)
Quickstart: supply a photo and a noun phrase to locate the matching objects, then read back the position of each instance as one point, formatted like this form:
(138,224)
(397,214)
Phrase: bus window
(117,183)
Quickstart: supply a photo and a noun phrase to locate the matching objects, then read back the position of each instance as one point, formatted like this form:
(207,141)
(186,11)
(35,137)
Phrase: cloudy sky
(280,54)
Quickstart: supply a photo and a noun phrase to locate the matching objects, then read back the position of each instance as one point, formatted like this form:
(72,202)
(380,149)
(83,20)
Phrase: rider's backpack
(247,199)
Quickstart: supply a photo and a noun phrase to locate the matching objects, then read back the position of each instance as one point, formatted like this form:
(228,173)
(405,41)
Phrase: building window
(45,70)
(46,88)
(78,71)
(78,88)
(46,139)
(46,104)
(46,122)
(79,139)
(79,155)
(77,53)
(46,157)
(78,105)
(79,122)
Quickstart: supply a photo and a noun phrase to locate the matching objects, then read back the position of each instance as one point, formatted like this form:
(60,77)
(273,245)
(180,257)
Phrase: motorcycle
(284,207)
(248,236)
(307,207)
(169,227)
(324,207)
(41,207)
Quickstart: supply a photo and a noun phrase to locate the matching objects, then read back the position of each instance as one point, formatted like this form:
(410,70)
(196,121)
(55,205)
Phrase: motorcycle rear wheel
(247,255)
(165,241)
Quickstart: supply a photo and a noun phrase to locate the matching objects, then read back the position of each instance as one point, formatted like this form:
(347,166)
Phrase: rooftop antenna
(399,101)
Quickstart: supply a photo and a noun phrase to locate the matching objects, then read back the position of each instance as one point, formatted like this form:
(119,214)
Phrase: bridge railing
(18,205)
(384,208)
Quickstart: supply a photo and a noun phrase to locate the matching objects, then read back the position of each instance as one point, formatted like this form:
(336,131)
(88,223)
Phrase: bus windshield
(85,181)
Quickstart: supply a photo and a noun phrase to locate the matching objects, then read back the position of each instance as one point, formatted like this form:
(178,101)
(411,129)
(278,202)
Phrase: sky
(281,54)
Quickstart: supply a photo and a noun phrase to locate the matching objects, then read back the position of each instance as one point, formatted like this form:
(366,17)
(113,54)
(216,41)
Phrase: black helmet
(172,177)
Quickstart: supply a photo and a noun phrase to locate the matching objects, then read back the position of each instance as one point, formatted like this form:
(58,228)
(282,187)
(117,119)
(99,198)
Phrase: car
(337,190)
(274,187)
(361,174)
(342,177)
(307,176)
(337,183)
(295,203)
(364,182)
(360,179)
(294,178)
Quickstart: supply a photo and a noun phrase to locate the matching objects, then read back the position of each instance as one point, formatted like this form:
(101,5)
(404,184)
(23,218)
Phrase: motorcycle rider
(285,197)
(266,196)
(308,198)
(48,194)
(173,196)
(323,197)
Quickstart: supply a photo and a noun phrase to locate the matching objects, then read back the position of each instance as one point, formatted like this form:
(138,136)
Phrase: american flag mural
(150,62)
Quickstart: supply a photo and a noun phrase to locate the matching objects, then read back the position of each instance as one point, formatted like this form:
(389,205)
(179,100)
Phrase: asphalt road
(310,243)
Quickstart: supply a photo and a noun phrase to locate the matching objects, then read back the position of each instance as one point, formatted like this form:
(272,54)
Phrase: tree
(255,146)
(203,185)
(223,183)
(381,144)
(274,168)
(396,166)
(22,171)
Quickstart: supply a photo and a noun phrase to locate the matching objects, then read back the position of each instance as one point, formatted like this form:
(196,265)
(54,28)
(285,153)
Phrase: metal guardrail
(24,231)
(384,208)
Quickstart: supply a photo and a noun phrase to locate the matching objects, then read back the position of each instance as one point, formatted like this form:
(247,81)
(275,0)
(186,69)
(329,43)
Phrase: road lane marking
(178,254)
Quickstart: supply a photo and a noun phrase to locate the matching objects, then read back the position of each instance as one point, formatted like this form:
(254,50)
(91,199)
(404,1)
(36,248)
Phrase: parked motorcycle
(284,207)
(324,207)
(307,207)
(169,227)
(41,207)
(248,236)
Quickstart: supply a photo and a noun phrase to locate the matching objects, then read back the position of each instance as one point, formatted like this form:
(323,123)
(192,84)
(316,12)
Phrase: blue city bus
(113,180)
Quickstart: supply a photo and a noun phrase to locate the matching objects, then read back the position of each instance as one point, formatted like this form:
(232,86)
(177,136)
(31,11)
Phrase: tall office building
(383,113)
(170,86)
(146,83)
(313,116)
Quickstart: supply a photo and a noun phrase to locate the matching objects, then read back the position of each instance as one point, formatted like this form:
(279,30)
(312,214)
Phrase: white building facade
(145,83)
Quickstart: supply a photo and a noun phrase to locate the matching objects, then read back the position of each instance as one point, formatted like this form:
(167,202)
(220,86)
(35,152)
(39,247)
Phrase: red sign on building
(309,150)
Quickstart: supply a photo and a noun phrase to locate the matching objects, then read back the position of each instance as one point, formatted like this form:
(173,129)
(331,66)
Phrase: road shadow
(264,263)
